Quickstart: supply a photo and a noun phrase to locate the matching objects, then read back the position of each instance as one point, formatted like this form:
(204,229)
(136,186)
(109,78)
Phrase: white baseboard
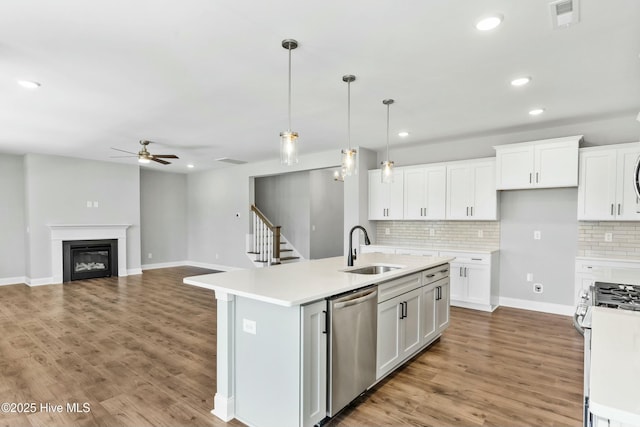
(134,271)
(545,307)
(13,280)
(40,282)
(163,265)
(223,407)
(211,266)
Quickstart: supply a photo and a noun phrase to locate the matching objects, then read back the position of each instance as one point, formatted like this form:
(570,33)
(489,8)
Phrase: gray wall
(552,258)
(12,223)
(215,198)
(285,201)
(163,214)
(57,190)
(327,214)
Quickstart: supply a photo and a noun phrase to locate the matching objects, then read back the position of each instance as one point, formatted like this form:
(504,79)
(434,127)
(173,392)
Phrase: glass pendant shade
(349,162)
(288,148)
(387,172)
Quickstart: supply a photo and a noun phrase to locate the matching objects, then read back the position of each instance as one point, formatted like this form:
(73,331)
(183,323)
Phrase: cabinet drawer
(435,273)
(393,288)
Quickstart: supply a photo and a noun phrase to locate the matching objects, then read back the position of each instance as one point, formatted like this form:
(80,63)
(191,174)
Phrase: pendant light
(387,165)
(349,154)
(289,139)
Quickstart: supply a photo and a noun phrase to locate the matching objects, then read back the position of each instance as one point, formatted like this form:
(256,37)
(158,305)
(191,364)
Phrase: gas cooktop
(616,295)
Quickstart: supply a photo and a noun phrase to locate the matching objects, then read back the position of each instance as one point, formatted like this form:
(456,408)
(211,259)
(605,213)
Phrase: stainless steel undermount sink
(372,269)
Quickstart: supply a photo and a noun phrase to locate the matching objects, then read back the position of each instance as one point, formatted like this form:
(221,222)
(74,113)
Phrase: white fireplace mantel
(69,232)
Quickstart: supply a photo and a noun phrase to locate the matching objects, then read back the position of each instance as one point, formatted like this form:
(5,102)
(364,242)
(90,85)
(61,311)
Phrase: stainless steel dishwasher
(352,346)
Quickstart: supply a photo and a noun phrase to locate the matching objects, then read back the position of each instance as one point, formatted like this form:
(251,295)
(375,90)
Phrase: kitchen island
(271,341)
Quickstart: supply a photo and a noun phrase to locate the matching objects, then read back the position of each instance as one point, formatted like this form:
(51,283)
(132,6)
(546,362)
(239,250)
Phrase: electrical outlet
(249,326)
(480,234)
(537,288)
(432,232)
(387,231)
(149,255)
(608,237)
(529,277)
(89,204)
(537,235)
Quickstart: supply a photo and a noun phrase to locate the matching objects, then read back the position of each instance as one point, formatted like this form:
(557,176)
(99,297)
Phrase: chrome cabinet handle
(444,271)
(429,276)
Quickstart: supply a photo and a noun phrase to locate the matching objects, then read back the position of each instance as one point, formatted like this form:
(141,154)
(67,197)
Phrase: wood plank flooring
(141,351)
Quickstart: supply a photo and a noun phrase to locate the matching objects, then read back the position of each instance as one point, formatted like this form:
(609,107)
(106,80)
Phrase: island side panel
(267,363)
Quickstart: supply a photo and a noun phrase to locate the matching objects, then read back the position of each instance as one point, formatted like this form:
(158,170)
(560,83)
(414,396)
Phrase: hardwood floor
(141,351)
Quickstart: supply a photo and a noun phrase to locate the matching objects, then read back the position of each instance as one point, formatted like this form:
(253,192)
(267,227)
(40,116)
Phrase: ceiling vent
(564,13)
(232,161)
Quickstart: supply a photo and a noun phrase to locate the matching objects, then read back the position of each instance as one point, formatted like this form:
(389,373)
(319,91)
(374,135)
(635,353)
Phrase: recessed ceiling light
(28,84)
(520,81)
(536,111)
(190,166)
(489,23)
(403,134)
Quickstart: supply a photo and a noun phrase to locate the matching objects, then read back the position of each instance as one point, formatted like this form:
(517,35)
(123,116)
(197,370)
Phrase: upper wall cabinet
(471,191)
(606,189)
(538,164)
(425,192)
(386,200)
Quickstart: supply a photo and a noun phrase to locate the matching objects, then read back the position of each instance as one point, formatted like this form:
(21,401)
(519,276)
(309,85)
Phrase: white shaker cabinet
(314,363)
(473,280)
(425,192)
(471,192)
(606,189)
(538,164)
(386,199)
(435,312)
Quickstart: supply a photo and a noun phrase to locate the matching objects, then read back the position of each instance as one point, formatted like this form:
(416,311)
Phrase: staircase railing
(266,237)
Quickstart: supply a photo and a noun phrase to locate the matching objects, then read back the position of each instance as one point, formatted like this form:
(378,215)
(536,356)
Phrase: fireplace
(87,259)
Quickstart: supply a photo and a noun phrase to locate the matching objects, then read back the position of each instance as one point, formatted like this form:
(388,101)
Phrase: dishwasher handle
(349,301)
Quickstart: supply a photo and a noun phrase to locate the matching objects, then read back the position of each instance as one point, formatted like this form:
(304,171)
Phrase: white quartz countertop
(615,365)
(306,281)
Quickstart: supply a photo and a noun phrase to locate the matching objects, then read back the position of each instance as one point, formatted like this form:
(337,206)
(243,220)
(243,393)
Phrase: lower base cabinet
(314,364)
(435,312)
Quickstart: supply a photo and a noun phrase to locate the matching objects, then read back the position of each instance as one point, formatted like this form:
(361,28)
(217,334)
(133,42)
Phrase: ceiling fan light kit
(289,138)
(144,156)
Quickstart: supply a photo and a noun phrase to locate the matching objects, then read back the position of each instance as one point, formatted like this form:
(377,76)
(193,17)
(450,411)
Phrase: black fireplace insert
(88,259)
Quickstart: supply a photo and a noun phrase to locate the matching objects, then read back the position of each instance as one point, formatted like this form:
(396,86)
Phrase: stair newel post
(276,244)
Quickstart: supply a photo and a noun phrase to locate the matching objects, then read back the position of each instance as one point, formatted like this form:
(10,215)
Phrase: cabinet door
(410,335)
(414,193)
(378,196)
(314,363)
(458,282)
(435,192)
(627,205)
(478,284)
(458,191)
(396,195)
(597,187)
(429,313)
(514,167)
(485,202)
(556,164)
(442,305)
(388,346)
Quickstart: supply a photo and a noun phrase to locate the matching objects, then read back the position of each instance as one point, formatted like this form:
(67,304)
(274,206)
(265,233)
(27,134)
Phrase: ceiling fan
(144,156)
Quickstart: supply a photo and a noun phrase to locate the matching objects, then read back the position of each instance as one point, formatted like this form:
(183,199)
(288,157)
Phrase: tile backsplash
(624,244)
(446,234)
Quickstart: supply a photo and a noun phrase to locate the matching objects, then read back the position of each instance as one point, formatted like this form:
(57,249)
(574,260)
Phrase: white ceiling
(208,79)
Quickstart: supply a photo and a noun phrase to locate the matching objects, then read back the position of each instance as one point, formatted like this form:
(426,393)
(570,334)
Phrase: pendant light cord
(289,49)
(388,132)
(349,114)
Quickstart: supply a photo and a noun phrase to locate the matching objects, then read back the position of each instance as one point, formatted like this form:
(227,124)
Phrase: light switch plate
(537,235)
(89,203)
(529,277)
(249,326)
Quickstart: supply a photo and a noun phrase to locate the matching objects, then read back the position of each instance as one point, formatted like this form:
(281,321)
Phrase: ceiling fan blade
(164,162)
(166,156)
(121,157)
(117,149)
